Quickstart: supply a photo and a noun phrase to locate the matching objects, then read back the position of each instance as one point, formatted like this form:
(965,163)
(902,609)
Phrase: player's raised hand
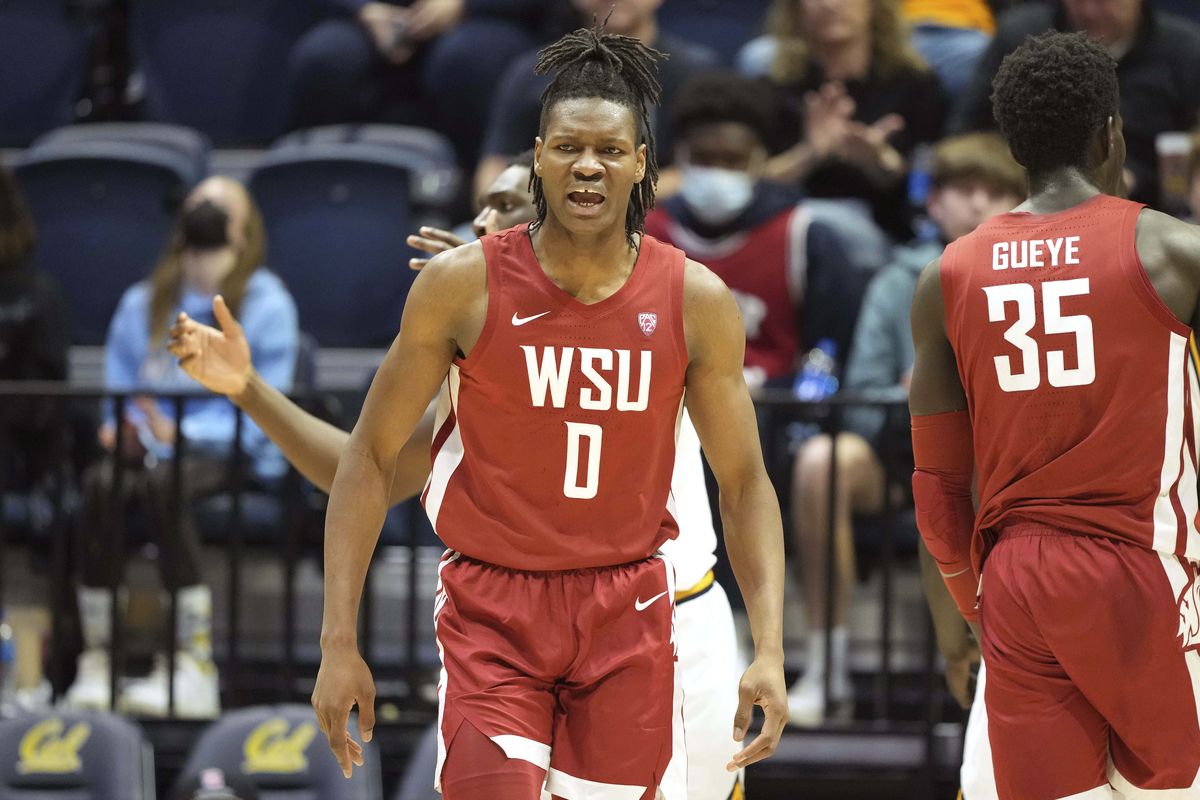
(343,681)
(432,241)
(219,360)
(762,685)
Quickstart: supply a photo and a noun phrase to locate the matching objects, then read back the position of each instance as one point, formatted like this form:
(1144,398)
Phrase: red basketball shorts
(1093,666)
(572,671)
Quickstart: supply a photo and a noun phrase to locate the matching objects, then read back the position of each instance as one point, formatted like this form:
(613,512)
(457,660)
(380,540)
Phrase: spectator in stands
(516,108)
(432,63)
(218,246)
(950,35)
(1158,61)
(974,178)
(861,100)
(791,274)
(33,346)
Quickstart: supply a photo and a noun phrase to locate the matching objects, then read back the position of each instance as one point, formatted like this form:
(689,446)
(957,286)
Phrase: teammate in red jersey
(564,350)
(1052,359)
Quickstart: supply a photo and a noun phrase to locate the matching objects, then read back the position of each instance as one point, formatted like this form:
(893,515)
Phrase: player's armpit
(944,456)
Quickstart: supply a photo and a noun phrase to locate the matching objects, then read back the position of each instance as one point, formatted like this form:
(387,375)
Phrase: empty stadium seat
(45,57)
(219,66)
(337,216)
(103,212)
(74,756)
(429,154)
(188,144)
(281,750)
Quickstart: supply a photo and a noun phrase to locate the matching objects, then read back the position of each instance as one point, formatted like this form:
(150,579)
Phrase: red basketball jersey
(1082,395)
(555,436)
(764,268)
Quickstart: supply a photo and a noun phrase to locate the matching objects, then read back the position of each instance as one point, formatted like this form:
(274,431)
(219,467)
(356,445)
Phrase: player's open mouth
(585,200)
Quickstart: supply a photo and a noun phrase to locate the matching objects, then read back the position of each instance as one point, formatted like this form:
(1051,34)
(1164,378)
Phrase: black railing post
(177,512)
(831,581)
(292,518)
(888,557)
(410,634)
(116,538)
(235,558)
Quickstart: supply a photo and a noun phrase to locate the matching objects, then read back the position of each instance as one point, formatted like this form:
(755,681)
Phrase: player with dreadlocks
(564,351)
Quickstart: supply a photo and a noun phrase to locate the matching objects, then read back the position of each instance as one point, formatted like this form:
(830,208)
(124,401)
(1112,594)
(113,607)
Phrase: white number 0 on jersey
(1053,321)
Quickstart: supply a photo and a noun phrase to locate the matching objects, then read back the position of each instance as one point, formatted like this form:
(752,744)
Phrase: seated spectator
(790,273)
(432,63)
(861,100)
(217,247)
(950,35)
(33,346)
(1158,61)
(516,109)
(974,178)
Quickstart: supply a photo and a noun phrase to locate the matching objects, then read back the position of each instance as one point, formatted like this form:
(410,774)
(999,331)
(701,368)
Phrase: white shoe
(197,693)
(806,699)
(91,687)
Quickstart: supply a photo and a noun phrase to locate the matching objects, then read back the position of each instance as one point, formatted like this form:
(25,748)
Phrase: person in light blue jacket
(218,247)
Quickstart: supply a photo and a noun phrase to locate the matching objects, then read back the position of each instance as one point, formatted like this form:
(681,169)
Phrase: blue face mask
(714,195)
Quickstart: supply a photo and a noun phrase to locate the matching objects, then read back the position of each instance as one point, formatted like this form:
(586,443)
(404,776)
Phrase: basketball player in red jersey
(564,349)
(1052,360)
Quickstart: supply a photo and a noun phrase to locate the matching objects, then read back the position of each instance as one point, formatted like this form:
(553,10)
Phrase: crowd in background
(816,168)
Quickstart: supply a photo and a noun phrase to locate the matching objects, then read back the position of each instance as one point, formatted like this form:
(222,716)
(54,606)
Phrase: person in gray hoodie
(973,178)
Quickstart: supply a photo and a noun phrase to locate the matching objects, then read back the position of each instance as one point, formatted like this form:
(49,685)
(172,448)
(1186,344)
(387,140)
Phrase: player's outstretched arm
(720,407)
(219,360)
(444,312)
(943,448)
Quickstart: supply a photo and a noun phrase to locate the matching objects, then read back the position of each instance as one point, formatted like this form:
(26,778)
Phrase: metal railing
(776,408)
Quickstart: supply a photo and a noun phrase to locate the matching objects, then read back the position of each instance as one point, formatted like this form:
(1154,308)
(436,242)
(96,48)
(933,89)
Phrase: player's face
(506,203)
(960,206)
(1106,21)
(628,16)
(589,162)
(724,145)
(833,21)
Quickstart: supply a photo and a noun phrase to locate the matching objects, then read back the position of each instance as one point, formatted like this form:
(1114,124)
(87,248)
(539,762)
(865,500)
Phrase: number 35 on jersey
(1027,308)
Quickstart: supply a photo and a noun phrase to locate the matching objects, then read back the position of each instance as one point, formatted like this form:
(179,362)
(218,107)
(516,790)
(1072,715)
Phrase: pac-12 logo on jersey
(647,321)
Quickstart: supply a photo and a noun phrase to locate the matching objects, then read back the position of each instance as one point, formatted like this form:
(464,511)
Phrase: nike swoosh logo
(639,605)
(519,321)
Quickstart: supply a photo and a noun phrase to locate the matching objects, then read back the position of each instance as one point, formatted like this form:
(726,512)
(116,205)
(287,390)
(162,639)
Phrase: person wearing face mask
(218,245)
(1158,59)
(792,273)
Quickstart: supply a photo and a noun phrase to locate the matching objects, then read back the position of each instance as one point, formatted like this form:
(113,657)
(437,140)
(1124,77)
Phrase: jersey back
(1081,390)
(554,441)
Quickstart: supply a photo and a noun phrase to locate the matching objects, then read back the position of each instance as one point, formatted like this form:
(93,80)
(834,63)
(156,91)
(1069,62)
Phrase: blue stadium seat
(337,216)
(723,25)
(45,53)
(417,781)
(103,212)
(429,154)
(219,66)
(173,139)
(74,756)
(281,750)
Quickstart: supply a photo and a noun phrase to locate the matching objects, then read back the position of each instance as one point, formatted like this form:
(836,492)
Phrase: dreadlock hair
(1051,95)
(590,63)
